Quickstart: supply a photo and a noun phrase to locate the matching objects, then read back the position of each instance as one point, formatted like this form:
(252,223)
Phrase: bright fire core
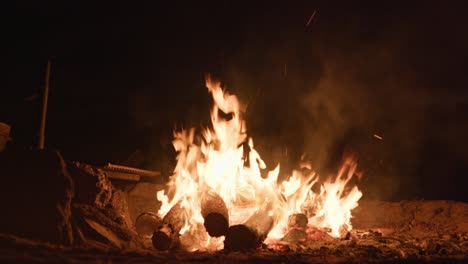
(218,163)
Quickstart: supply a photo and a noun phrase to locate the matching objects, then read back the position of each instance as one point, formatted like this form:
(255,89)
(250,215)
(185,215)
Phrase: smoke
(360,94)
(393,71)
(320,92)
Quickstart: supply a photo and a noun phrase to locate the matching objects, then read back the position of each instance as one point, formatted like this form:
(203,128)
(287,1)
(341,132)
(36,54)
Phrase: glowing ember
(218,163)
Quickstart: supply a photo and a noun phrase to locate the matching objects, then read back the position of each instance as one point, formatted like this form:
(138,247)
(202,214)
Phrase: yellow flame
(218,164)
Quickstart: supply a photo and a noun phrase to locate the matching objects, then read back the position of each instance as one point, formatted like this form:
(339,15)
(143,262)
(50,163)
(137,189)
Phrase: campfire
(324,132)
(217,205)
(217,197)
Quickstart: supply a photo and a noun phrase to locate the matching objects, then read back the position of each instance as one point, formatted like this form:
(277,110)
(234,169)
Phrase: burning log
(250,234)
(167,234)
(215,214)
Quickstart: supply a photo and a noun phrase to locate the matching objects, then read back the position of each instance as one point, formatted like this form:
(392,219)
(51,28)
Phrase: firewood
(250,234)
(130,170)
(215,214)
(167,234)
(97,226)
(146,223)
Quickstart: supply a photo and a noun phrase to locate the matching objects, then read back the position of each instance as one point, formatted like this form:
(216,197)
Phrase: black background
(124,73)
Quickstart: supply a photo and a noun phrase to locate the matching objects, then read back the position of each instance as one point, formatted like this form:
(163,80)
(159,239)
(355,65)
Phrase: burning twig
(215,214)
(167,235)
(250,234)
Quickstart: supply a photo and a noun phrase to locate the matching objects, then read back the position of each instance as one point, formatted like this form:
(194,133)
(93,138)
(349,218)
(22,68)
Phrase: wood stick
(215,214)
(250,234)
(167,234)
(126,169)
(116,175)
(44,107)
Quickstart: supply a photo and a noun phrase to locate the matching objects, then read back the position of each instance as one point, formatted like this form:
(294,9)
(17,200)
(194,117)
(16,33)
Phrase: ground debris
(373,245)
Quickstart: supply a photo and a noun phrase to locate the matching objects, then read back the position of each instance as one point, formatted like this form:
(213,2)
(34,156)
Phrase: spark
(378,137)
(311,18)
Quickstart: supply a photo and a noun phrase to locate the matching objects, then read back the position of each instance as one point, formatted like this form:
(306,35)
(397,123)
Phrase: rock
(36,195)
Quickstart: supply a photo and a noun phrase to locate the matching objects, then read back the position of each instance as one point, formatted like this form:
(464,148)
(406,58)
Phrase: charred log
(215,214)
(250,234)
(167,234)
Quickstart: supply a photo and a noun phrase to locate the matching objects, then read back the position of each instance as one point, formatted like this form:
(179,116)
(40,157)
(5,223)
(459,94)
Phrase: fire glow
(217,162)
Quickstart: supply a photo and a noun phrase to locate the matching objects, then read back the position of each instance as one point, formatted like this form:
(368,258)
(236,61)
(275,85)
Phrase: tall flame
(216,161)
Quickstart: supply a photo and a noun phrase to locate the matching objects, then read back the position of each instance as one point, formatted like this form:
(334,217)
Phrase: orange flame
(218,164)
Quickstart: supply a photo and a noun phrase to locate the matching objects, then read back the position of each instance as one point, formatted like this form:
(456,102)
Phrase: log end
(162,239)
(240,238)
(216,225)
(147,223)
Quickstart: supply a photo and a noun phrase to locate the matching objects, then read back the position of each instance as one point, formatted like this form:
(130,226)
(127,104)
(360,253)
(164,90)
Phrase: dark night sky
(124,72)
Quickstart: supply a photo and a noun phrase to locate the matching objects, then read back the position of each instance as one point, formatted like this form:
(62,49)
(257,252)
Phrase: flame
(217,161)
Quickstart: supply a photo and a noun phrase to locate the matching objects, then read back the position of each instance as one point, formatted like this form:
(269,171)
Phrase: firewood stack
(246,236)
